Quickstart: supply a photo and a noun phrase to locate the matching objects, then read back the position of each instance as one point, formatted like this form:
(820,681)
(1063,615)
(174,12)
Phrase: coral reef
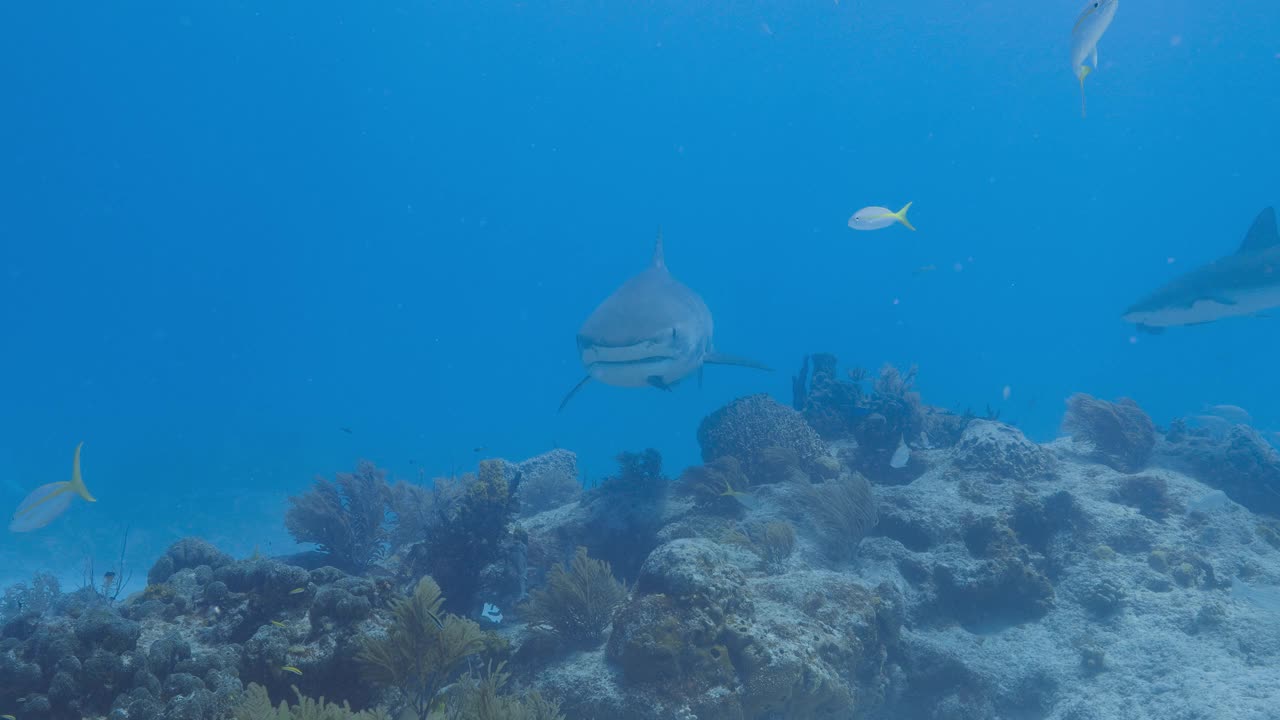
(624,514)
(346,518)
(549,481)
(577,603)
(1118,435)
(832,406)
(894,412)
(748,428)
(997,578)
(472,532)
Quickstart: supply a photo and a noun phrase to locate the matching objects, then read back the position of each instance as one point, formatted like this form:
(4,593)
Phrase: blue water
(230,230)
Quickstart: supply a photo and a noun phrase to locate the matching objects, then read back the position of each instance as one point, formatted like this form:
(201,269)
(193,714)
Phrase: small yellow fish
(291,669)
(876,217)
(297,591)
(7,717)
(297,649)
(277,623)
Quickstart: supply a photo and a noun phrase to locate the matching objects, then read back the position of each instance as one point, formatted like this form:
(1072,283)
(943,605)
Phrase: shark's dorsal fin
(658,260)
(1263,233)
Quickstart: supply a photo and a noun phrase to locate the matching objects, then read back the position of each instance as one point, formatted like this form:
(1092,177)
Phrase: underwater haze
(243,245)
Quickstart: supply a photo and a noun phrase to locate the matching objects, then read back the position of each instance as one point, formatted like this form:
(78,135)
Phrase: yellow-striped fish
(7,717)
(1088,30)
(297,591)
(291,669)
(49,501)
(277,623)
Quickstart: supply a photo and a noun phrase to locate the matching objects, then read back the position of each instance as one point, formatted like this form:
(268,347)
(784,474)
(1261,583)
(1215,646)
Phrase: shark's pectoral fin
(658,382)
(573,392)
(716,358)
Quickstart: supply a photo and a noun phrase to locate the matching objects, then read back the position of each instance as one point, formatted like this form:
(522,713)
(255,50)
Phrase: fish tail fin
(901,216)
(77,482)
(1082,74)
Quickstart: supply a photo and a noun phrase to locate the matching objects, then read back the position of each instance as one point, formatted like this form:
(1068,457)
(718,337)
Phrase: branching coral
(894,412)
(1120,433)
(843,512)
(830,405)
(482,699)
(257,706)
(474,517)
(346,518)
(578,602)
(422,651)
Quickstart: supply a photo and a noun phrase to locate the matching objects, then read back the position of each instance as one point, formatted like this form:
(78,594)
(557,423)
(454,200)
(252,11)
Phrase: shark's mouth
(632,354)
(651,360)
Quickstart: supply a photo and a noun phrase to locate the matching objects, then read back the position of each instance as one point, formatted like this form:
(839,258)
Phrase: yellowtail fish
(297,591)
(876,217)
(291,669)
(745,499)
(277,623)
(1088,30)
(7,717)
(47,502)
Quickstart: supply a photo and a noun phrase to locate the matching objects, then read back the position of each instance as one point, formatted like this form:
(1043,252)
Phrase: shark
(653,331)
(1246,282)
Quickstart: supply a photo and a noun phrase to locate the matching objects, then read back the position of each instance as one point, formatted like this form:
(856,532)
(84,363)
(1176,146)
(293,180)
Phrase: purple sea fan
(346,518)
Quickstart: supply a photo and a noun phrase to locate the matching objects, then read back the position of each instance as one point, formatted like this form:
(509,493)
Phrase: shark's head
(652,330)
(1246,282)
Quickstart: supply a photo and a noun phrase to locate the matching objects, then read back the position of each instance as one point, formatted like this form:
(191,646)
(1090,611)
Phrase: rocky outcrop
(1000,452)
(1243,465)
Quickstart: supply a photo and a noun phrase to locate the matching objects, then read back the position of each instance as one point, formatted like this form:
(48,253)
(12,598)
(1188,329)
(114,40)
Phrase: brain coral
(750,425)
